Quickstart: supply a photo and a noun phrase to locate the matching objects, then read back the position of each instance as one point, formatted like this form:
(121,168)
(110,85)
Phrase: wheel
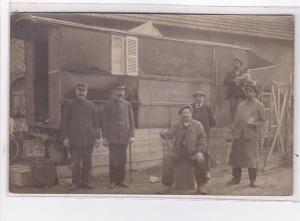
(14,149)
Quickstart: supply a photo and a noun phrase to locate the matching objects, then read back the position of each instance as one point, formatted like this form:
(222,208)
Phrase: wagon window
(117,55)
(124,55)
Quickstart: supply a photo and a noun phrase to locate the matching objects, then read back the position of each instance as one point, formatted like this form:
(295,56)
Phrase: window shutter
(132,55)
(117,56)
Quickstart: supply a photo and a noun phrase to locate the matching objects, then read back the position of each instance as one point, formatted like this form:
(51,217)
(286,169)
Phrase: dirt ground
(276,182)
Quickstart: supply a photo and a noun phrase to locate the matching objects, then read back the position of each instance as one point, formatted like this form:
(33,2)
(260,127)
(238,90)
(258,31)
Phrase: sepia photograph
(151,104)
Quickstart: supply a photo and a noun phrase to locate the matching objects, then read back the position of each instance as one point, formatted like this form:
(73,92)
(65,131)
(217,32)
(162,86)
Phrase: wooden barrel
(43,173)
(184,175)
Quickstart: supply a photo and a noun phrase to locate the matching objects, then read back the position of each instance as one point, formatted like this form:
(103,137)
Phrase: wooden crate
(20,175)
(33,149)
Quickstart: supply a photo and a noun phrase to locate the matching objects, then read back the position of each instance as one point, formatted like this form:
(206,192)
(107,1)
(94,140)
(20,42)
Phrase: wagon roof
(255,61)
(51,21)
(269,26)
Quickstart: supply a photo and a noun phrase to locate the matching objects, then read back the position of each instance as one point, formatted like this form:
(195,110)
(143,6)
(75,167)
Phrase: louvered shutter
(132,56)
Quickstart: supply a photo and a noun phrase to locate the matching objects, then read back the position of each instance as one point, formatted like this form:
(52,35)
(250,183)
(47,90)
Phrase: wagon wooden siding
(146,152)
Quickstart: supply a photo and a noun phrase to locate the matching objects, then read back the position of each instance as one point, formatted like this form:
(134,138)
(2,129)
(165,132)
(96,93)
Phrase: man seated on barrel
(189,144)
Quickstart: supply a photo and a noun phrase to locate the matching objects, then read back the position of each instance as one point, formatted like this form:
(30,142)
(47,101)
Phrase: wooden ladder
(276,108)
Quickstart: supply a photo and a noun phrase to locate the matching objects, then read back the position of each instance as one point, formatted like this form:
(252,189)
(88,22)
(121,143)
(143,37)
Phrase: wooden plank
(101,160)
(98,170)
(54,101)
(29,74)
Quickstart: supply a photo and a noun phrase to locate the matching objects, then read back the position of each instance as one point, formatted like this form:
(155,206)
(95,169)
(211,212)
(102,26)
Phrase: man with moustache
(81,133)
(202,113)
(189,144)
(118,132)
(246,132)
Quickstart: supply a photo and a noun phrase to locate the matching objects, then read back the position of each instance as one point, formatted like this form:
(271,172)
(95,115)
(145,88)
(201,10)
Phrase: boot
(234,181)
(112,185)
(123,184)
(200,189)
(252,184)
(87,185)
(73,187)
(165,190)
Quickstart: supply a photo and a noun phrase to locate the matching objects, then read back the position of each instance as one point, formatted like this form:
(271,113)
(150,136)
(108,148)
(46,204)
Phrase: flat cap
(83,86)
(199,93)
(120,85)
(187,106)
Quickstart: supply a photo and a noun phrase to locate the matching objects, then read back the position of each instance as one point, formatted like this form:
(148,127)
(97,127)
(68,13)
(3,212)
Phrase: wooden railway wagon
(161,74)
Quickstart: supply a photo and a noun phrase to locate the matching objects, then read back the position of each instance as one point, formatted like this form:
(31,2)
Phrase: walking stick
(130,163)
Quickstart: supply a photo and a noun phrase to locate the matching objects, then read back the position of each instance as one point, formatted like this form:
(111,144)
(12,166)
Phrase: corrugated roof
(269,26)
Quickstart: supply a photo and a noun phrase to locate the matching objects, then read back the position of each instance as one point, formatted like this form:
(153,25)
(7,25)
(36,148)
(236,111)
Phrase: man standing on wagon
(118,132)
(234,82)
(246,128)
(81,133)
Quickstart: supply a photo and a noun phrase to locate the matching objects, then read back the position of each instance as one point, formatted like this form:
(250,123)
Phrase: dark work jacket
(80,122)
(205,116)
(118,121)
(232,88)
(195,136)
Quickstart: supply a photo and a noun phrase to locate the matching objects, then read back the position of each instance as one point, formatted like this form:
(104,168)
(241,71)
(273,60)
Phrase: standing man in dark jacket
(81,132)
(202,113)
(118,132)
(233,82)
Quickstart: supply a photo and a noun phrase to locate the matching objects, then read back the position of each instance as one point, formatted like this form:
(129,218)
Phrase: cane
(130,163)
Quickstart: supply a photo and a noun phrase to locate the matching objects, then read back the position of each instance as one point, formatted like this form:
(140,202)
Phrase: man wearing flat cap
(189,141)
(81,133)
(202,113)
(234,82)
(246,132)
(118,132)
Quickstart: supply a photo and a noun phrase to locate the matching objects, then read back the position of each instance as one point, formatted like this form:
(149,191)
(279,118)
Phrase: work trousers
(81,163)
(169,166)
(237,173)
(233,103)
(117,162)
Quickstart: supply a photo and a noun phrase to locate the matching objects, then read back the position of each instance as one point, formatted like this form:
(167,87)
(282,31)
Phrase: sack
(43,173)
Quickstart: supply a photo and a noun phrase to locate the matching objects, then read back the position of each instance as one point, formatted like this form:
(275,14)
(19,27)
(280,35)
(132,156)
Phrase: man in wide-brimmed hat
(81,133)
(190,144)
(246,133)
